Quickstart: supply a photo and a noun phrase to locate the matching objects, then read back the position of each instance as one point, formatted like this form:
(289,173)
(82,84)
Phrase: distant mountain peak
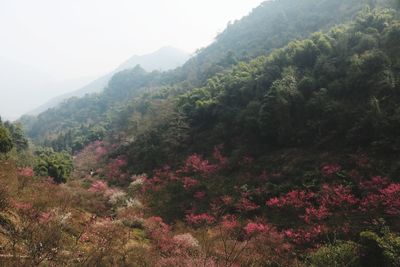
(165,58)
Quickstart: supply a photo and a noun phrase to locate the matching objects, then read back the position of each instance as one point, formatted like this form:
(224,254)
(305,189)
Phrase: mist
(53,47)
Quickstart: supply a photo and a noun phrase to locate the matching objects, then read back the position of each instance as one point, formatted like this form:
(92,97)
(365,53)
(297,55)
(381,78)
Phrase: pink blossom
(254,228)
(336,196)
(246,205)
(114,168)
(295,198)
(23,206)
(371,201)
(223,161)
(157,228)
(45,217)
(98,186)
(230,223)
(200,219)
(197,164)
(274,202)
(186,241)
(26,172)
(199,195)
(227,200)
(316,213)
(189,182)
(101,151)
(376,182)
(303,236)
(330,169)
(391,199)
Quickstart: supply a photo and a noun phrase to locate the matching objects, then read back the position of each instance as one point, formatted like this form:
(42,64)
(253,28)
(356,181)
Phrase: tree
(17,135)
(5,140)
(280,110)
(57,165)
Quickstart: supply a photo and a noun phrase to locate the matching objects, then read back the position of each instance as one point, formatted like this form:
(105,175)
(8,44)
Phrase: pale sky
(70,40)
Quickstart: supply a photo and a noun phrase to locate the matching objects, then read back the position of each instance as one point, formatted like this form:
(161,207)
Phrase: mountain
(166,58)
(271,25)
(285,156)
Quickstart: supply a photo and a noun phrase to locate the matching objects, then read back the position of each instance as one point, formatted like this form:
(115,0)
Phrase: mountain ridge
(163,59)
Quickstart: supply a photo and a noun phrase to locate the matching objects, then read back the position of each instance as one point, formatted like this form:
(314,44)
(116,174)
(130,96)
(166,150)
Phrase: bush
(57,165)
(336,255)
(4,203)
(5,141)
(380,250)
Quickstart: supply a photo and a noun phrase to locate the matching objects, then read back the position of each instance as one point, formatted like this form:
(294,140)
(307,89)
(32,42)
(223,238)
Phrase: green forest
(276,145)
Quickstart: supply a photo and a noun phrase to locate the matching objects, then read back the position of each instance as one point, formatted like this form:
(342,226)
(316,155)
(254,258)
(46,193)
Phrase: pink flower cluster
(376,183)
(114,170)
(199,195)
(26,172)
(200,219)
(255,228)
(245,204)
(195,163)
(229,223)
(45,217)
(295,198)
(98,187)
(386,199)
(337,196)
(189,182)
(22,206)
(217,155)
(303,236)
(330,169)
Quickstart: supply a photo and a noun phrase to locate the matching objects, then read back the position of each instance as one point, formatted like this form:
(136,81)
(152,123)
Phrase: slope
(166,58)
(259,29)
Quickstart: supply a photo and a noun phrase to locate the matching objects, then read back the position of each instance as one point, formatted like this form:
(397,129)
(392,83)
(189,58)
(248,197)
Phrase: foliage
(307,93)
(17,136)
(335,255)
(5,140)
(4,201)
(380,250)
(77,122)
(57,165)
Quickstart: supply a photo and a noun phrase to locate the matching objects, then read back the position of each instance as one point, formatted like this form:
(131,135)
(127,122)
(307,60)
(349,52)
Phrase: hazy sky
(68,40)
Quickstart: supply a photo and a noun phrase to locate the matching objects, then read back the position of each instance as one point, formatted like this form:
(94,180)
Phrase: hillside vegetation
(277,145)
(271,25)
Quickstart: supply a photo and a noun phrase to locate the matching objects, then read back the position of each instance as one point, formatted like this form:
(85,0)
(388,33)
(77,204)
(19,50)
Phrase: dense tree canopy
(57,166)
(271,25)
(5,140)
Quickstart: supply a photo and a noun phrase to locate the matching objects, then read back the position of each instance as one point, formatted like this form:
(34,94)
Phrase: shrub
(380,250)
(5,141)
(4,202)
(336,255)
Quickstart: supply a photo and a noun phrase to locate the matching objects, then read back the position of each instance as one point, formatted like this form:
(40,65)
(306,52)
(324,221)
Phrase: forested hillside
(277,145)
(271,25)
(166,58)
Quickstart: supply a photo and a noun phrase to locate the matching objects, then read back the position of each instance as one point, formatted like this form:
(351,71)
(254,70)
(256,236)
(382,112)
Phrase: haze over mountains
(165,58)
(29,87)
